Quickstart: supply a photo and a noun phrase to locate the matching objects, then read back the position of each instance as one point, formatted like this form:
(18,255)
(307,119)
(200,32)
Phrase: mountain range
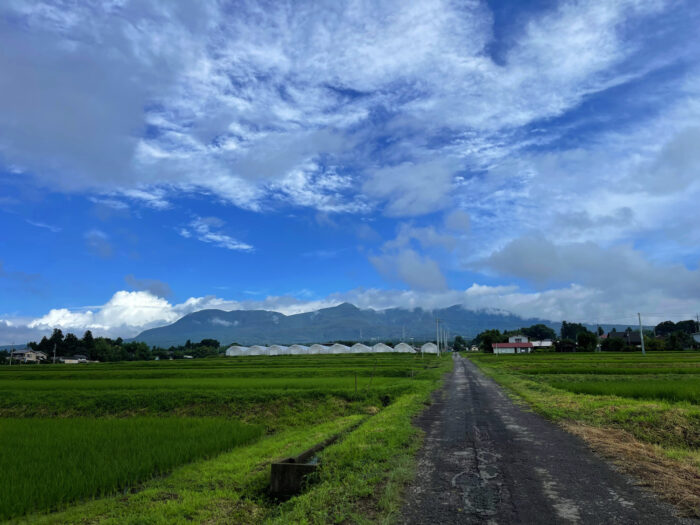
(344,322)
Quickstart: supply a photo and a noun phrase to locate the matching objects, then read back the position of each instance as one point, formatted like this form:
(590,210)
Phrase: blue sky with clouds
(158,158)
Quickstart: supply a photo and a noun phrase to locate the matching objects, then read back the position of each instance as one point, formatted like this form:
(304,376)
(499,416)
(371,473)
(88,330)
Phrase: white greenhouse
(258,350)
(359,348)
(381,348)
(318,349)
(404,348)
(337,348)
(299,350)
(235,351)
(429,348)
(278,350)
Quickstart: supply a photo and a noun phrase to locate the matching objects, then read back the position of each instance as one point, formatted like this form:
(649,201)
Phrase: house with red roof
(517,344)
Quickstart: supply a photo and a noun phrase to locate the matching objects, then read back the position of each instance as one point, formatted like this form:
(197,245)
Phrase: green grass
(147,418)
(650,388)
(606,390)
(48,462)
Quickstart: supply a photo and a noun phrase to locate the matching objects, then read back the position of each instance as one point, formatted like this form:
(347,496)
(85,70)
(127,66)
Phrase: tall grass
(48,462)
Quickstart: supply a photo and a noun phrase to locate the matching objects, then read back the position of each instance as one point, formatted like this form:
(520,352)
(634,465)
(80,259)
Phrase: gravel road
(488,460)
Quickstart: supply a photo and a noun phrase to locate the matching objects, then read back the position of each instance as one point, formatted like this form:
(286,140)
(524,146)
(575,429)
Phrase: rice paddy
(75,433)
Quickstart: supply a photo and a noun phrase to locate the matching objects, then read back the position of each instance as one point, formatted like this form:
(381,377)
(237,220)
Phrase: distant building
(630,337)
(512,348)
(27,355)
(696,337)
(545,343)
(517,338)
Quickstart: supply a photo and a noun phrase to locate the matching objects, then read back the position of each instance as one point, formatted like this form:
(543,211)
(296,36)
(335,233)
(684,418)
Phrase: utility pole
(437,334)
(641,332)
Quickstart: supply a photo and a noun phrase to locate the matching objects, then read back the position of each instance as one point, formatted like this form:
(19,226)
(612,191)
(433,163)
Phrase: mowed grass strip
(49,462)
(676,390)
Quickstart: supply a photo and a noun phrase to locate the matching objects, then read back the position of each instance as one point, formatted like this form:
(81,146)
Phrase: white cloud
(238,103)
(406,265)
(207,229)
(411,189)
(50,227)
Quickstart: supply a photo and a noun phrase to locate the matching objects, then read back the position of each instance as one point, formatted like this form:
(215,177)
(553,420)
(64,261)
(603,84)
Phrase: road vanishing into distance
(487,460)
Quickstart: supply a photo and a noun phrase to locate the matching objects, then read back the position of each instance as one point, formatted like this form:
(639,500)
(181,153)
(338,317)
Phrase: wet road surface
(487,460)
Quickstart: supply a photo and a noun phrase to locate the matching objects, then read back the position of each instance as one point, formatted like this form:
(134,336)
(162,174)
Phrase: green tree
(571,330)
(538,332)
(487,338)
(71,344)
(587,341)
(612,344)
(460,344)
(55,339)
(679,341)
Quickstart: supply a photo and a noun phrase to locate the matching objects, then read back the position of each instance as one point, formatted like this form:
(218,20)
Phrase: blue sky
(538,157)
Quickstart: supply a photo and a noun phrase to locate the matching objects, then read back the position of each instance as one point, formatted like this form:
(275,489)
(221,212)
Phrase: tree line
(575,337)
(105,349)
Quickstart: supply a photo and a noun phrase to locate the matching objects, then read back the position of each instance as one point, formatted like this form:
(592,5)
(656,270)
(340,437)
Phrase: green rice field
(49,461)
(654,396)
(77,438)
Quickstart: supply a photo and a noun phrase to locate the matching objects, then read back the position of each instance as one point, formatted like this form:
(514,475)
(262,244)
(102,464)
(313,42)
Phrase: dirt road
(488,460)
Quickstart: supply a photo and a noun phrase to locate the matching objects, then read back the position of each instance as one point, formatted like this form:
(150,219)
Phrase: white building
(404,348)
(337,348)
(236,350)
(318,349)
(299,350)
(359,348)
(512,348)
(381,348)
(517,338)
(429,348)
